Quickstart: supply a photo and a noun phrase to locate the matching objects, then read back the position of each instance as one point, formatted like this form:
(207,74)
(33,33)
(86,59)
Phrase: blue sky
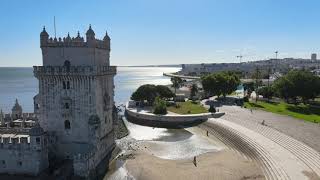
(166,31)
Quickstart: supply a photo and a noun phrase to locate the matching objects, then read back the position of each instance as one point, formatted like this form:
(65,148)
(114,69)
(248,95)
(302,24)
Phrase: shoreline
(140,160)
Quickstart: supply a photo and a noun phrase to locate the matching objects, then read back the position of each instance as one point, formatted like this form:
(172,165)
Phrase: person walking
(195,161)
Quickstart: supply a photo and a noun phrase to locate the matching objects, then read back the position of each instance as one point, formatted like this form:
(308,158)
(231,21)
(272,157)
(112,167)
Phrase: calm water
(20,83)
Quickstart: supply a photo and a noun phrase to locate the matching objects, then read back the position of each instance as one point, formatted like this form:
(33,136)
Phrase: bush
(246,99)
(266,92)
(159,106)
(212,109)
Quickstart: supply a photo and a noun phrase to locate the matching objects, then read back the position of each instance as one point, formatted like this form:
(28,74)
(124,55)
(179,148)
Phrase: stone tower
(75,99)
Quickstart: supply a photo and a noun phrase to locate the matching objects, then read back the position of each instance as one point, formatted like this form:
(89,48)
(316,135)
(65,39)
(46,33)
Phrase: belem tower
(72,119)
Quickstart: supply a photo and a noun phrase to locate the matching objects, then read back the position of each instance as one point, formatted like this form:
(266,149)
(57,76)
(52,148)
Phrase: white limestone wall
(104,103)
(78,56)
(53,113)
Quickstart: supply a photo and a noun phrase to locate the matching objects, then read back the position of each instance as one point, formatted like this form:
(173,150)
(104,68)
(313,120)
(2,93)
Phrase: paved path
(306,132)
(281,156)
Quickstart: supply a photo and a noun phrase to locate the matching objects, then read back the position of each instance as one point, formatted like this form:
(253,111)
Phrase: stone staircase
(280,156)
(305,153)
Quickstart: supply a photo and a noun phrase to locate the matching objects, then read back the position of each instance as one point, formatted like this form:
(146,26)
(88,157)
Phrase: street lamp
(240,57)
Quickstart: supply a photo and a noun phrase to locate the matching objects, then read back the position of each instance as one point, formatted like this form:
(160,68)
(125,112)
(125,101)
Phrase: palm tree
(176,83)
(193,90)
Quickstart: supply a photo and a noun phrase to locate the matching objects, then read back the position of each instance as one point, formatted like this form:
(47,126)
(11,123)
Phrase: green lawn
(187,107)
(301,111)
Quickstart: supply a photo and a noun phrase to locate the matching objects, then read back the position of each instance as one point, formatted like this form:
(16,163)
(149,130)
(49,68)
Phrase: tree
(164,92)
(249,87)
(193,90)
(145,92)
(221,83)
(176,83)
(159,106)
(298,84)
(212,109)
(266,92)
(148,92)
(257,80)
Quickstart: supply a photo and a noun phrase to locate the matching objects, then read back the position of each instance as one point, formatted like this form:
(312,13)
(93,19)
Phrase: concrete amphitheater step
(279,161)
(272,171)
(305,153)
(229,139)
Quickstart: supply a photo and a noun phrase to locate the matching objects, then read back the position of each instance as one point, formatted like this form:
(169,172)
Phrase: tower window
(68,85)
(38,140)
(67,124)
(20,163)
(64,85)
(66,105)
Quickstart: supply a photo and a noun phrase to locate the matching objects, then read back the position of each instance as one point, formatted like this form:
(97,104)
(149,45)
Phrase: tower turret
(44,36)
(16,110)
(106,40)
(90,37)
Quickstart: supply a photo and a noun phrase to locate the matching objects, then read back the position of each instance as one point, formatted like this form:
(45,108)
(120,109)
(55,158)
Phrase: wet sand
(158,153)
(224,164)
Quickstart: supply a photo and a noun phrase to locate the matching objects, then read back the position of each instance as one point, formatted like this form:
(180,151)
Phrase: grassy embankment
(187,107)
(300,111)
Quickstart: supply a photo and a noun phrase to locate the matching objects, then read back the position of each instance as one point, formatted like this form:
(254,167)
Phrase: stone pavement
(306,132)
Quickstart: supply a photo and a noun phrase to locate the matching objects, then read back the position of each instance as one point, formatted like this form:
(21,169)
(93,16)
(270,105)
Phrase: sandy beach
(224,164)
(146,157)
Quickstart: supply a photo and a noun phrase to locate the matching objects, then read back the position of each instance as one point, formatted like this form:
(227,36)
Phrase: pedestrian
(251,111)
(207,133)
(262,123)
(195,161)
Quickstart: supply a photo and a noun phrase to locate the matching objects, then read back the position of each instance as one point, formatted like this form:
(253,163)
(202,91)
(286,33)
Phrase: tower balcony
(74,70)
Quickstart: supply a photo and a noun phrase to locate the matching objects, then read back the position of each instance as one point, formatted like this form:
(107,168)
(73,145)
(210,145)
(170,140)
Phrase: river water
(163,143)
(20,83)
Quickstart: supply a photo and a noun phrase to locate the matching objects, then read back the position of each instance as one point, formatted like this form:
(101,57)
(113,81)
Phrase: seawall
(169,120)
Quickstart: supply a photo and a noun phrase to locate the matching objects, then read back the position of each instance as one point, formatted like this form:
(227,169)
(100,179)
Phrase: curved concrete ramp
(280,156)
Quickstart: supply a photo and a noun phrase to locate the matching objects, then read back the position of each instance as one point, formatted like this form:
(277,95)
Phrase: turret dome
(44,32)
(90,31)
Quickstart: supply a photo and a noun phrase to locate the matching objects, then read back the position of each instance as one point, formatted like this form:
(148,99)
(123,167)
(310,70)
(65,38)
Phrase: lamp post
(276,54)
(240,57)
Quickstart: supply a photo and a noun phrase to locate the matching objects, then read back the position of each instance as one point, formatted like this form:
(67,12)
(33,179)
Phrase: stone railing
(74,70)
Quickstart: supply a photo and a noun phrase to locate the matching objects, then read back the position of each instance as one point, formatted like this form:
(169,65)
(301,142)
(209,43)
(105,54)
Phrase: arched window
(67,64)
(67,124)
(66,105)
(64,85)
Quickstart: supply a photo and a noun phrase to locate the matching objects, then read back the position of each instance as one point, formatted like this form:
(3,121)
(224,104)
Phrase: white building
(75,99)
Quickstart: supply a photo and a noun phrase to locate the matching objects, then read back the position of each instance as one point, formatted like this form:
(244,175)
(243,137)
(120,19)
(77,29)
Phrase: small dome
(44,32)
(94,119)
(90,31)
(36,130)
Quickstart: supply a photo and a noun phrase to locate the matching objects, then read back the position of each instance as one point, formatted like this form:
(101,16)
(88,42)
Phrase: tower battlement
(75,51)
(78,41)
(75,42)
